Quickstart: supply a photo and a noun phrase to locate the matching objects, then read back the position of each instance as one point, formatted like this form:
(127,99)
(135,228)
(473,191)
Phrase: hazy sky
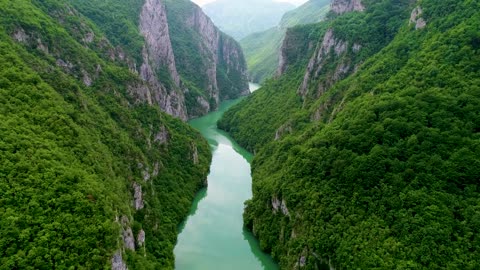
(295,2)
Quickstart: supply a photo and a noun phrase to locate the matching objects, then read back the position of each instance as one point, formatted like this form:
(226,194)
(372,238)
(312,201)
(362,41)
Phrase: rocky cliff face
(188,66)
(208,45)
(154,28)
(343,6)
(416,18)
(293,48)
(330,50)
(157,57)
(218,68)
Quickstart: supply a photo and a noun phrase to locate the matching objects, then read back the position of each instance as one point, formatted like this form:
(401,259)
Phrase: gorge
(127,127)
(213,236)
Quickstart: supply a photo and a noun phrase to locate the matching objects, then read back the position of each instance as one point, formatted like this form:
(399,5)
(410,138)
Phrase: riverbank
(213,236)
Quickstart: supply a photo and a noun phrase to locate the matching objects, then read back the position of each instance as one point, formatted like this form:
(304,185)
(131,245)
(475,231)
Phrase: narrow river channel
(213,236)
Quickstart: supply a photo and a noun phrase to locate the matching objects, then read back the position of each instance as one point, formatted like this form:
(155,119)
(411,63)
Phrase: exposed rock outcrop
(330,48)
(89,37)
(195,154)
(201,24)
(343,6)
(128,239)
(415,18)
(20,36)
(141,238)
(162,136)
(117,262)
(222,65)
(155,30)
(156,169)
(138,197)
(158,55)
(127,234)
(278,205)
(283,130)
(293,46)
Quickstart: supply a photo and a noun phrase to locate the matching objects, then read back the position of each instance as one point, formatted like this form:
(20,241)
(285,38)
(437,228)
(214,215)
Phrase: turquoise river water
(213,236)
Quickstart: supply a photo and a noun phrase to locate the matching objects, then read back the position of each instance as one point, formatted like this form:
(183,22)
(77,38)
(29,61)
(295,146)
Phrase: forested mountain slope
(311,11)
(176,48)
(262,49)
(210,62)
(94,172)
(242,18)
(368,146)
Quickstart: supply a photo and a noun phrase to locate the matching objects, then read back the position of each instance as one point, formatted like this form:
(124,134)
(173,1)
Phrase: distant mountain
(311,12)
(262,49)
(96,167)
(241,18)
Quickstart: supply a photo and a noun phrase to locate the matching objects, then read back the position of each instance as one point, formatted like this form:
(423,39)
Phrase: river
(213,236)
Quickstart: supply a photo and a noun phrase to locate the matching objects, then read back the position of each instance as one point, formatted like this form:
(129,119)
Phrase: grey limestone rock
(343,6)
(138,197)
(415,18)
(117,262)
(141,238)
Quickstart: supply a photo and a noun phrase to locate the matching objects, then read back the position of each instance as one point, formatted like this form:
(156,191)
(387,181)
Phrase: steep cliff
(343,6)
(263,49)
(334,58)
(373,163)
(159,60)
(188,64)
(313,58)
(94,174)
(211,63)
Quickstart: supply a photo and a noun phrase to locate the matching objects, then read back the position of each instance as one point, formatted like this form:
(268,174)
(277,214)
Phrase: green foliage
(242,120)
(262,53)
(262,49)
(312,11)
(380,172)
(282,103)
(242,18)
(195,61)
(118,19)
(69,154)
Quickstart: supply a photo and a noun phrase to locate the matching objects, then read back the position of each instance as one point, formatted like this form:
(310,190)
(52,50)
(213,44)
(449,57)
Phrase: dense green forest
(195,52)
(378,168)
(262,49)
(85,170)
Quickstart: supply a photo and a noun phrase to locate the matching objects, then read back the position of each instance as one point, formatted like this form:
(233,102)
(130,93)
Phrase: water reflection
(255,248)
(202,194)
(213,236)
